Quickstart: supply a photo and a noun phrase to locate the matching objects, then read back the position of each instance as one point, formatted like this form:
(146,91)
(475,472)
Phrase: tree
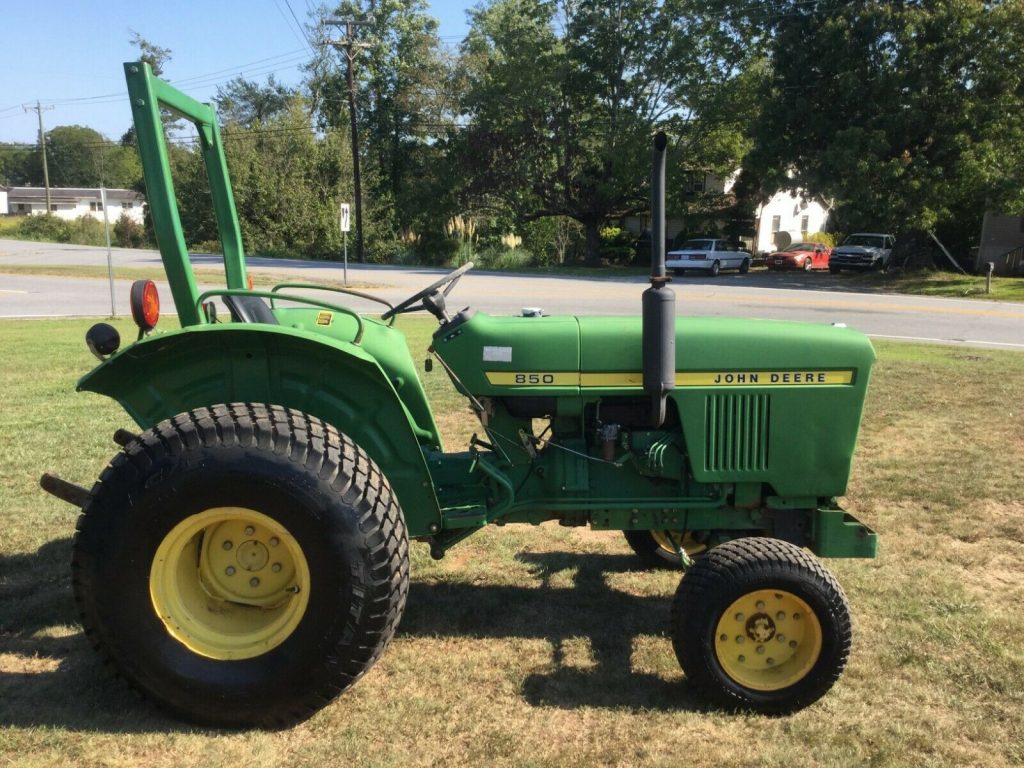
(151,53)
(900,110)
(83,157)
(563,99)
(401,104)
(248,103)
(287,184)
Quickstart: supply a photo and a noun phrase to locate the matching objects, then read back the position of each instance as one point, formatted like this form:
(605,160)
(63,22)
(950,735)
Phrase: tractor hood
(565,355)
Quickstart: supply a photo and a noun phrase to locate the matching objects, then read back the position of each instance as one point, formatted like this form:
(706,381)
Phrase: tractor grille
(736,429)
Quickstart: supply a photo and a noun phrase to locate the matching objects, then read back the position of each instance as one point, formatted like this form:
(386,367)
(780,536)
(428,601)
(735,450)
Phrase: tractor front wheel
(241,564)
(657,549)
(759,624)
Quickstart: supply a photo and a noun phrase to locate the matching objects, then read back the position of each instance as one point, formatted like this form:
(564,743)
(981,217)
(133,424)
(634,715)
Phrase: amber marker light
(145,303)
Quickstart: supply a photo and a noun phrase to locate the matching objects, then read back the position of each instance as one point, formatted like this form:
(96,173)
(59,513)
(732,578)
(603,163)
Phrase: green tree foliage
(82,157)
(248,103)
(563,98)
(287,184)
(905,112)
(15,165)
(401,87)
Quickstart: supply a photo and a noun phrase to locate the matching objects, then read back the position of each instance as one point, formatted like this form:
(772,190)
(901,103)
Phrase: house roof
(69,194)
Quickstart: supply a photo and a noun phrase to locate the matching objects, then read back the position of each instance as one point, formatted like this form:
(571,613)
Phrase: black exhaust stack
(659,301)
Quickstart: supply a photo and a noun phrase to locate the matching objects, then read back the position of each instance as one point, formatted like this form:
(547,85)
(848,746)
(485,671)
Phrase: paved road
(816,297)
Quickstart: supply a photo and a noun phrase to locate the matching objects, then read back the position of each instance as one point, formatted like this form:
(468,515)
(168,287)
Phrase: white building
(787,218)
(72,202)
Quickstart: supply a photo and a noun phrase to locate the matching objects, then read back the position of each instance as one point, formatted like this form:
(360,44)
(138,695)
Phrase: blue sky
(68,54)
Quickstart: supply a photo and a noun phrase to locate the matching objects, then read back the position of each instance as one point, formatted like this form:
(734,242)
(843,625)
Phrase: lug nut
(782,638)
(769,661)
(723,638)
(743,658)
(780,616)
(739,617)
(760,605)
(741,639)
(254,582)
(796,617)
(792,643)
(274,541)
(760,649)
(249,530)
(227,545)
(230,570)
(276,567)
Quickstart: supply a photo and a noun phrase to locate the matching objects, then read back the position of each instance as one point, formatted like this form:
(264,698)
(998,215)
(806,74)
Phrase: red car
(805,256)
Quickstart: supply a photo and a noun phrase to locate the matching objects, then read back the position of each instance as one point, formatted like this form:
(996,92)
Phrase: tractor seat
(249,309)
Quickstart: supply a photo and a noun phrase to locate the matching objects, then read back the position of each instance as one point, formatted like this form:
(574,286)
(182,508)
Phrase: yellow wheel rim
(768,640)
(229,583)
(684,539)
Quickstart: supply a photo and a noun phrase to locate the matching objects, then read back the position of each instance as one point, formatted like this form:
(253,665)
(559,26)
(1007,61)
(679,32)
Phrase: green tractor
(244,559)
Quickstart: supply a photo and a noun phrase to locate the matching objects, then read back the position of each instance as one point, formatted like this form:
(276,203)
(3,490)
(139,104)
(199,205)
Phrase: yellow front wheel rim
(229,583)
(685,540)
(768,640)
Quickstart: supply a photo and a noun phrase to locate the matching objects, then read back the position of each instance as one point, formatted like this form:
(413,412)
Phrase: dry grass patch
(547,646)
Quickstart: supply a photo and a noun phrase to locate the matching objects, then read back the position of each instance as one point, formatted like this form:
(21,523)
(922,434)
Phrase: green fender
(169,373)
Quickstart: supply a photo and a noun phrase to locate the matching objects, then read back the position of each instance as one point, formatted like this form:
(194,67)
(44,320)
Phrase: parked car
(708,255)
(863,250)
(805,256)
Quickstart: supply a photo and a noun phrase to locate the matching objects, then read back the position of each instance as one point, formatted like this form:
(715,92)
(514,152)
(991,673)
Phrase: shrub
(86,230)
(385,251)
(47,228)
(436,249)
(825,238)
(503,259)
(203,246)
(617,245)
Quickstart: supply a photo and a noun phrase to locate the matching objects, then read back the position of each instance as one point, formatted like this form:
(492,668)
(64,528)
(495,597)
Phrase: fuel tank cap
(532,312)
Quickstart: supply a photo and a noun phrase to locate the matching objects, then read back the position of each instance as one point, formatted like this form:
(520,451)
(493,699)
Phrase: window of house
(96,205)
(804,224)
(53,206)
(776,223)
(695,183)
(126,206)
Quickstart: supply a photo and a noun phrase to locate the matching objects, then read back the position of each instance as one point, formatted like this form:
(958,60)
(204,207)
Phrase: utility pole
(349,46)
(38,109)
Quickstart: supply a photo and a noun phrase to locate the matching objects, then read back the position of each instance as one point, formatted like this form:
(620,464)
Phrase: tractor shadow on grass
(49,673)
(590,608)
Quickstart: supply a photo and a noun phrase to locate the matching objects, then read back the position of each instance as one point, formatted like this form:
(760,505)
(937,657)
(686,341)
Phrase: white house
(786,218)
(3,199)
(72,202)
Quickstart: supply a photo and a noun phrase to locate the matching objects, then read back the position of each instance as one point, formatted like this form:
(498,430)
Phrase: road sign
(344,217)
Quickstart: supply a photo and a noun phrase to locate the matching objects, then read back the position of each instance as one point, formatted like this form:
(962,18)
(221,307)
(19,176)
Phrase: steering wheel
(426,297)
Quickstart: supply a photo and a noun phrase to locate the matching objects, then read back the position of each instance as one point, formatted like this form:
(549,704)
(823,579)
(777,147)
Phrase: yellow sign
(788,378)
(324,318)
(762,378)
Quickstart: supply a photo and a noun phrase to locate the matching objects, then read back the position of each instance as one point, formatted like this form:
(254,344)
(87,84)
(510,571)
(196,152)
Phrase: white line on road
(8,290)
(946,341)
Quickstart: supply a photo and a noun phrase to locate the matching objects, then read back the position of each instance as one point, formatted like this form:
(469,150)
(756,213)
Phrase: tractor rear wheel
(241,564)
(759,624)
(657,549)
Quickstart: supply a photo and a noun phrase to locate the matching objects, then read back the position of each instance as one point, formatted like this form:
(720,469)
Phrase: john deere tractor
(244,558)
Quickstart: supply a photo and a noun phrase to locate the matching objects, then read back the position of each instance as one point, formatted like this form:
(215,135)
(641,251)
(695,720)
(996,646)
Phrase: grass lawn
(949,284)
(547,646)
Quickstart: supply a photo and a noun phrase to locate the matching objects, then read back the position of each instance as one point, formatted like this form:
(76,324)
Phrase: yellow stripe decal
(788,378)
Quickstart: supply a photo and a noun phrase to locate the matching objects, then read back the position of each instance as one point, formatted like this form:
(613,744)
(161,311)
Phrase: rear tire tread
(319,447)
